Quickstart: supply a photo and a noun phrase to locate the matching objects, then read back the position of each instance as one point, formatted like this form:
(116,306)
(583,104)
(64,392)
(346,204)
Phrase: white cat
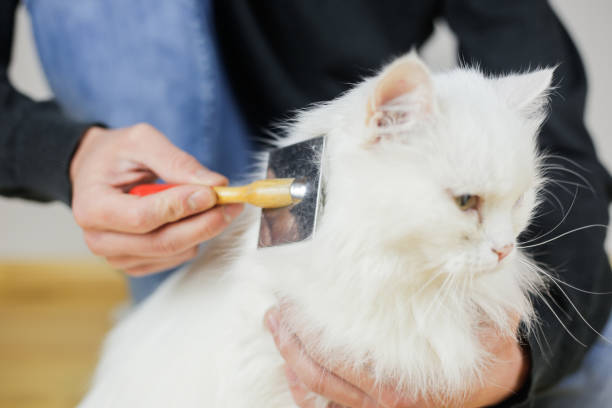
(430,179)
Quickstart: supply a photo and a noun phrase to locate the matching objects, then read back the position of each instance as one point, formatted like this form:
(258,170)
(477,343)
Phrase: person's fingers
(169,162)
(130,261)
(385,395)
(168,240)
(309,373)
(112,211)
(302,396)
(504,376)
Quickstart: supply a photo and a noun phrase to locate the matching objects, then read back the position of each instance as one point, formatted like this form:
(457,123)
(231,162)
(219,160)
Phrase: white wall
(29,230)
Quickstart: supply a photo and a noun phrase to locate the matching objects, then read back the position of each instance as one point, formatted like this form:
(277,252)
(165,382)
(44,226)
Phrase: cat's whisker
(436,275)
(564,234)
(565,312)
(463,292)
(555,281)
(471,280)
(558,224)
(538,334)
(604,338)
(573,162)
(535,217)
(449,289)
(569,183)
(440,295)
(578,175)
(546,191)
(543,299)
(559,185)
(468,280)
(435,299)
(551,164)
(551,276)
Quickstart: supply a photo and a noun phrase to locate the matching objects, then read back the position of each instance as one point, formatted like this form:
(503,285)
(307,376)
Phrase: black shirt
(37,140)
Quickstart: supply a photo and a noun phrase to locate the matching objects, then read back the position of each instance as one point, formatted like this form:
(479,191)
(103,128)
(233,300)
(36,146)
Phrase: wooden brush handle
(269,193)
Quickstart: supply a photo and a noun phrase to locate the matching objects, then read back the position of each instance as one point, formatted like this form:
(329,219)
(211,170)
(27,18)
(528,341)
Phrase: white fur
(397,278)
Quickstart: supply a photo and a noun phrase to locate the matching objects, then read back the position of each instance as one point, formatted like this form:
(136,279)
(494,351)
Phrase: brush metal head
(301,161)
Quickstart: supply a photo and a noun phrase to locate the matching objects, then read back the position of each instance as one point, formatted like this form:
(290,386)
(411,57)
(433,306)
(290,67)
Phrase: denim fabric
(591,385)
(122,62)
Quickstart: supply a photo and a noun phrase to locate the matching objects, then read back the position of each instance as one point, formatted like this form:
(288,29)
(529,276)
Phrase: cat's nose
(503,251)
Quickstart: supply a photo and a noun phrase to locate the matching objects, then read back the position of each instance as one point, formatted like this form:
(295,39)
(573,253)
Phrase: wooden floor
(53,318)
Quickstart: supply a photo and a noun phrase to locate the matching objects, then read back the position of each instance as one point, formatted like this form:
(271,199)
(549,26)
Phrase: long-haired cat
(430,179)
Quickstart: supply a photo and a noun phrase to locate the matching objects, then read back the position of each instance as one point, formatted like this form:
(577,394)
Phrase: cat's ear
(406,81)
(526,92)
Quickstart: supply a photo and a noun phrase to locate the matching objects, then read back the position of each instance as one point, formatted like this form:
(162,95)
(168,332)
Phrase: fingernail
(292,378)
(210,178)
(231,211)
(200,200)
(272,320)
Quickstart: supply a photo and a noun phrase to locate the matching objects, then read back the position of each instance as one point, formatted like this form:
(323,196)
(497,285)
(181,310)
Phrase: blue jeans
(122,62)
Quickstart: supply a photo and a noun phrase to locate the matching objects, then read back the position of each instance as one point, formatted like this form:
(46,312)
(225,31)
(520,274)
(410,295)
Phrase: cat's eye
(467,202)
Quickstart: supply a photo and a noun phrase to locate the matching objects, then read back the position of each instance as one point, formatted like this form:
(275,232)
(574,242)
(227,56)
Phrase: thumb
(171,163)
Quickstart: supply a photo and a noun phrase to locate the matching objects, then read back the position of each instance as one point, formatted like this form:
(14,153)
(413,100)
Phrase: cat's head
(436,170)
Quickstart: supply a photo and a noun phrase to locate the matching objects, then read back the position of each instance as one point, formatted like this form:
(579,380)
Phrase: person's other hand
(143,235)
(307,374)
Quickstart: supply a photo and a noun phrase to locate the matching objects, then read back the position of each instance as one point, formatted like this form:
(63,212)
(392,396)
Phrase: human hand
(143,235)
(307,374)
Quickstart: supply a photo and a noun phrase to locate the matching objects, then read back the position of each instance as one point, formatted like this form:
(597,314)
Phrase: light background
(47,231)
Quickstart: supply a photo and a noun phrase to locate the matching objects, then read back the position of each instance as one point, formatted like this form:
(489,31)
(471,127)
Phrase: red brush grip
(142,190)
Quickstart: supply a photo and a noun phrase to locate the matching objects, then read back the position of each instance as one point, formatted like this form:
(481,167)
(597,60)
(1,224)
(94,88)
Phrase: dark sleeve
(515,35)
(36,139)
